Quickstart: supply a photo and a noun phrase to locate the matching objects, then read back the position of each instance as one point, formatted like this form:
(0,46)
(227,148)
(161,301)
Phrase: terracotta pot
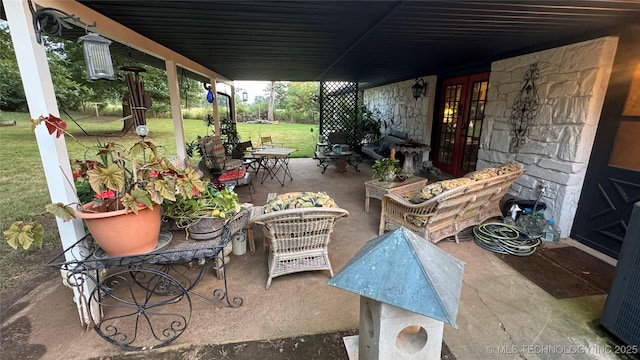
(206,228)
(122,233)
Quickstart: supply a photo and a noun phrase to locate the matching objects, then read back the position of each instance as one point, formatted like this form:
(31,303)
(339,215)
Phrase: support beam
(38,88)
(216,115)
(176,111)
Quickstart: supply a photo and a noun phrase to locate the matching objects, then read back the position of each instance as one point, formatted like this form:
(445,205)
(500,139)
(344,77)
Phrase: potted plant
(204,214)
(386,168)
(119,195)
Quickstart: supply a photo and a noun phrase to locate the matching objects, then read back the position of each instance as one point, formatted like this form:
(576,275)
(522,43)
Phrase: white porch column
(38,88)
(216,116)
(234,113)
(176,110)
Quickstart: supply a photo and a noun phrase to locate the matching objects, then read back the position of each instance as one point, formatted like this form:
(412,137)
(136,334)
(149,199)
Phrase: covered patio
(502,314)
(500,310)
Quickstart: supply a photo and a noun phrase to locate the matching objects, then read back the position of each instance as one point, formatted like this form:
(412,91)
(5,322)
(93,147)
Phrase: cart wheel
(138,317)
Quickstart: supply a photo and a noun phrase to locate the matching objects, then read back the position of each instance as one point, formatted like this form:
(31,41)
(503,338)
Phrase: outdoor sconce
(97,56)
(245,96)
(419,89)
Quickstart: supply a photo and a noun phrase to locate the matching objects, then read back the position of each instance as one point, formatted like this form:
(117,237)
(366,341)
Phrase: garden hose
(505,239)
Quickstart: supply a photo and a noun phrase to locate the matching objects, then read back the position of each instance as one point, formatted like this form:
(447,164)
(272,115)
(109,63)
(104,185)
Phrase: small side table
(377,189)
(413,154)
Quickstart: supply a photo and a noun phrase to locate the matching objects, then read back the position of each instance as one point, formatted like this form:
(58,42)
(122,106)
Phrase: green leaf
(22,233)
(112,177)
(166,188)
(136,197)
(12,234)
(64,212)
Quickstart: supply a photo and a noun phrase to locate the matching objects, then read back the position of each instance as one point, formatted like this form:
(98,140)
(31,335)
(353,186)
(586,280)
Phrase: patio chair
(215,158)
(266,141)
(298,238)
(242,152)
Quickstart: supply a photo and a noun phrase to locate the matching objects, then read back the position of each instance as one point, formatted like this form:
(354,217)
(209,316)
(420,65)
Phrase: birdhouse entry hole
(412,339)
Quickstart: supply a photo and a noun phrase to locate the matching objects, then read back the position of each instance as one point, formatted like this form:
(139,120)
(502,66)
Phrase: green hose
(505,239)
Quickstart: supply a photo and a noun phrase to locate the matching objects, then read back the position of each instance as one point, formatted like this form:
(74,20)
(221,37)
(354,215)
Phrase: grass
(23,189)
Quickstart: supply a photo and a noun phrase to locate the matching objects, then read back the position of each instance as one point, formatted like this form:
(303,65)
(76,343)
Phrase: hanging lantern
(97,56)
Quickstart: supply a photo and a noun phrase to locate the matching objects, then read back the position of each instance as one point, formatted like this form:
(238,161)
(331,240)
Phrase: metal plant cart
(145,300)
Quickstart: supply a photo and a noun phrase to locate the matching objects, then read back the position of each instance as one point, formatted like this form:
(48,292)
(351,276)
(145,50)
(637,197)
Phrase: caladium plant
(117,179)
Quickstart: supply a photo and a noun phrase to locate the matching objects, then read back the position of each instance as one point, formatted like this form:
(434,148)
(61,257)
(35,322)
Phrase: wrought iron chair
(266,141)
(242,152)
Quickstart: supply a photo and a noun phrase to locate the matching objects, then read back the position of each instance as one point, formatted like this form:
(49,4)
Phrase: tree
(11,91)
(299,104)
(277,91)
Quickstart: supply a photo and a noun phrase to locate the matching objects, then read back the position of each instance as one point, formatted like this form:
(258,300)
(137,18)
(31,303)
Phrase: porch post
(233,112)
(176,111)
(216,116)
(38,88)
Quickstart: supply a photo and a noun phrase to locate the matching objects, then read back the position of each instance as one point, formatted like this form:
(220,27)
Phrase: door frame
(462,120)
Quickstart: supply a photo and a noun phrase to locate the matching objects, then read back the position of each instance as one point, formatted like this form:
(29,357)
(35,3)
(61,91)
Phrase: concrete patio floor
(502,315)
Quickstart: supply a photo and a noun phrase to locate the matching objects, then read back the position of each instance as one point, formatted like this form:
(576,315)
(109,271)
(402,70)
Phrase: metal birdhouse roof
(402,269)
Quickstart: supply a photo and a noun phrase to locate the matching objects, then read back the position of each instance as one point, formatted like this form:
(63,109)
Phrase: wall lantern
(419,89)
(97,56)
(245,96)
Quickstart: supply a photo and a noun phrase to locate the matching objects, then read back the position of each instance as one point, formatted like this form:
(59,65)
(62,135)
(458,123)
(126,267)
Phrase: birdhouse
(408,289)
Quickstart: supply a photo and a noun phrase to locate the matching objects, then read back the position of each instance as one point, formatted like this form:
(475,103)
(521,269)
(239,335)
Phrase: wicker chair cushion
(482,174)
(297,200)
(437,188)
(508,167)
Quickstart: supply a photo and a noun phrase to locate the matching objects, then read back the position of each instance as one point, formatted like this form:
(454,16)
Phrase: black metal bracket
(51,21)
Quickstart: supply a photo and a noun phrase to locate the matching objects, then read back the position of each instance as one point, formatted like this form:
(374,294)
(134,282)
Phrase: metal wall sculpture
(524,111)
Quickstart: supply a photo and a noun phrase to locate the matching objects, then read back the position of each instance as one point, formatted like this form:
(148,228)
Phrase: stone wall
(572,84)
(395,102)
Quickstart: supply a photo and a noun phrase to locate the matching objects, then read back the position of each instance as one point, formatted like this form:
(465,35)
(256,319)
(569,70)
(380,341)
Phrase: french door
(459,123)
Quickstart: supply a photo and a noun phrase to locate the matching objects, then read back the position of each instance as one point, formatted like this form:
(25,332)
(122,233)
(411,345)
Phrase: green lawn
(24,192)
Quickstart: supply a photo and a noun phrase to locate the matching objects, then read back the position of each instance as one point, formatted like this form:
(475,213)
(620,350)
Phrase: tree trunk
(127,125)
(272,100)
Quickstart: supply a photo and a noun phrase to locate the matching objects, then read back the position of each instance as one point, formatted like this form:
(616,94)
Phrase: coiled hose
(505,239)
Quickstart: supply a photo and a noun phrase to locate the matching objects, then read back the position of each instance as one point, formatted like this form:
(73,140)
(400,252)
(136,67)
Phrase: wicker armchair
(298,239)
(447,214)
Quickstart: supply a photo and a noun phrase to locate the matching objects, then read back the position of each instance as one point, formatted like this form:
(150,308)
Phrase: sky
(253,88)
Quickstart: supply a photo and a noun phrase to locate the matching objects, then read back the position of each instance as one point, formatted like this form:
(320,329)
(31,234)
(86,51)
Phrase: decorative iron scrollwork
(51,21)
(524,111)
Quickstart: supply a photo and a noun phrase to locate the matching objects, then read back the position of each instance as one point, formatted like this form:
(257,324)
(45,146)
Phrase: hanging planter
(122,232)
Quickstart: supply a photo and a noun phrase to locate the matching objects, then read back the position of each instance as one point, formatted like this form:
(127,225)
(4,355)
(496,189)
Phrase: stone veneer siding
(571,86)
(413,116)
